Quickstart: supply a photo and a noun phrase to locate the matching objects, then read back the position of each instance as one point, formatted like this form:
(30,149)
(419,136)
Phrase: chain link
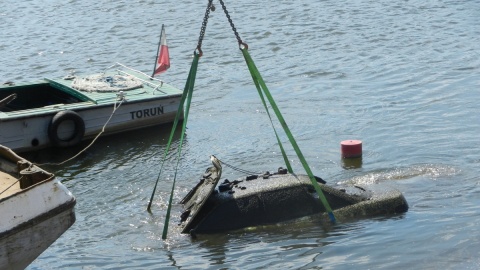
(240,42)
(204,26)
(211,7)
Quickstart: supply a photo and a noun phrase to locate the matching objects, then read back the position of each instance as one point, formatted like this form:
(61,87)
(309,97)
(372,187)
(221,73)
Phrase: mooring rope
(115,107)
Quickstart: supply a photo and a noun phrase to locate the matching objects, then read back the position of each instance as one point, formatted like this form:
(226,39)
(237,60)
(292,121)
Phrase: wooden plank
(6,182)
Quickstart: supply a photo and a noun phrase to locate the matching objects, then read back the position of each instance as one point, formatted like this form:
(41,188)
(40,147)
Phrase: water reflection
(120,147)
(352,163)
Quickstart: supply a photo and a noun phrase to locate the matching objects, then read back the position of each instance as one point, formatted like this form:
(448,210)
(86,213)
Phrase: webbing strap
(189,88)
(252,69)
(186,96)
(260,84)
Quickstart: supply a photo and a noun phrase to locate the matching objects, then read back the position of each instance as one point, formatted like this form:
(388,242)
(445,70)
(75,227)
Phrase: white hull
(23,245)
(29,131)
(34,210)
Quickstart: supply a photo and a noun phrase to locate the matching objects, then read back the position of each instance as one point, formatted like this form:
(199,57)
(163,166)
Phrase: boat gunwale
(90,106)
(24,190)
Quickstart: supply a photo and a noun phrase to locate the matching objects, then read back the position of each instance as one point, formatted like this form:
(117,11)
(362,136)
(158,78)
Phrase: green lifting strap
(186,96)
(285,158)
(189,85)
(261,86)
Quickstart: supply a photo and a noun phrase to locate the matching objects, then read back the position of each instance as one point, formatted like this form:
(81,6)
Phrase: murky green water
(403,77)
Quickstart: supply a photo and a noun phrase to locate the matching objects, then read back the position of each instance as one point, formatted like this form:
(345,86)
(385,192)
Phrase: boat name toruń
(147,112)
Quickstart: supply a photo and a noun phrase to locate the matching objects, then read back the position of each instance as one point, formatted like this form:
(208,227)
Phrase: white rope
(114,83)
(102,83)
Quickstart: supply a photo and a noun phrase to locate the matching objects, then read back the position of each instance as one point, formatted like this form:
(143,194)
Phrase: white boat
(35,210)
(63,112)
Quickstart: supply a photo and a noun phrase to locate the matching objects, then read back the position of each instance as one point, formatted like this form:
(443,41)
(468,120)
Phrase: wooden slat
(6,180)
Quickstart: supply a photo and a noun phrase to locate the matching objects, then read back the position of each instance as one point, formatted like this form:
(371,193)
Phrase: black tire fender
(58,119)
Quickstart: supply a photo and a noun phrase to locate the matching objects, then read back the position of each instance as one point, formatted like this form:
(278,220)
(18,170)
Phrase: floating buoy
(351,149)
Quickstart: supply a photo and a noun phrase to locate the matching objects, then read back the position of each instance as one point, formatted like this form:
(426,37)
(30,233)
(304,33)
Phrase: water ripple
(402,77)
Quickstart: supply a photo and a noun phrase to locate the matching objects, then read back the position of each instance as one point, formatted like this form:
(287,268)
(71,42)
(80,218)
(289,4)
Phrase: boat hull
(35,209)
(24,243)
(30,132)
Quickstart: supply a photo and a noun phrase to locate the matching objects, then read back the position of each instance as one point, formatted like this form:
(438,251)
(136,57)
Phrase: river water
(403,77)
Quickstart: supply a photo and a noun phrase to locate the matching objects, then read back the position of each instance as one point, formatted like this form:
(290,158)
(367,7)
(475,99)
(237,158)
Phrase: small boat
(35,210)
(270,198)
(63,112)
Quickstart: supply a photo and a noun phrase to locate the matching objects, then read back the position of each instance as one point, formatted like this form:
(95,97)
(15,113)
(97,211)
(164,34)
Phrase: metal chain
(238,169)
(240,42)
(204,26)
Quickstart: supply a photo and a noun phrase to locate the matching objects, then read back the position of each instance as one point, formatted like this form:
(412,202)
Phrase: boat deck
(65,97)
(150,90)
(8,185)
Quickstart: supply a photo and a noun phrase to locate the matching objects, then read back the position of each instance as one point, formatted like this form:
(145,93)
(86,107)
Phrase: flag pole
(158,52)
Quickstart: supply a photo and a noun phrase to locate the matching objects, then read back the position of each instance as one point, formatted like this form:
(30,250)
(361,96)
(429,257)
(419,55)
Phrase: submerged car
(270,198)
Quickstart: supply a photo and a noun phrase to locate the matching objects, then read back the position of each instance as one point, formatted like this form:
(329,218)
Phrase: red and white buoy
(351,149)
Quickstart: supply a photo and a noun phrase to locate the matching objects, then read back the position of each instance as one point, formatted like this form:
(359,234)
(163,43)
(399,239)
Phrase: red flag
(163,58)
